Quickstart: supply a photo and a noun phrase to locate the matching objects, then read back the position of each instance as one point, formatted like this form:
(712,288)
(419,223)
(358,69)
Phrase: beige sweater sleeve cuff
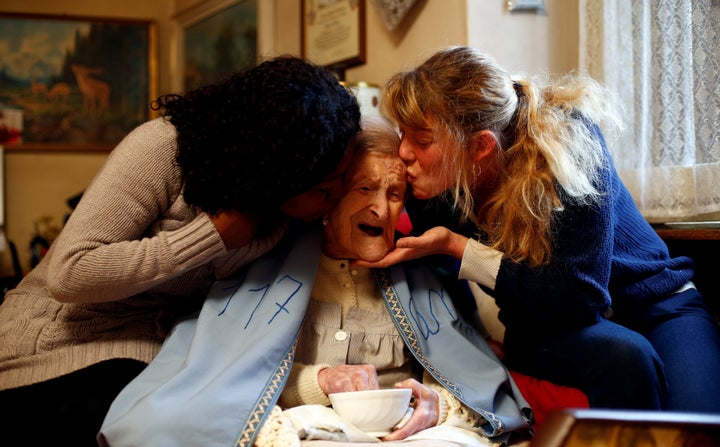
(195,243)
(303,387)
(443,410)
(480,264)
(309,387)
(240,257)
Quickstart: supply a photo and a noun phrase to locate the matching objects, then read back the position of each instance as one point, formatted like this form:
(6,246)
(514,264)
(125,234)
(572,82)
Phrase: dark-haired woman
(184,199)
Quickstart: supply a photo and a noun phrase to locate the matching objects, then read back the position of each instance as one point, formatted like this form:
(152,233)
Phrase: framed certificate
(333,32)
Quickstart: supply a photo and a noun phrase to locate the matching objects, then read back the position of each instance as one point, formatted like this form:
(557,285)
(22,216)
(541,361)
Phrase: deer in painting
(96,93)
(59,92)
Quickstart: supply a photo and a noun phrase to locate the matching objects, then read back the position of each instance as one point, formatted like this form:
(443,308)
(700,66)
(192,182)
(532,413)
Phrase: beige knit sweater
(132,258)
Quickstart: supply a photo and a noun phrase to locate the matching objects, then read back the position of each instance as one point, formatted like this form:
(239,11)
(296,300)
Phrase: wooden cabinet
(703,246)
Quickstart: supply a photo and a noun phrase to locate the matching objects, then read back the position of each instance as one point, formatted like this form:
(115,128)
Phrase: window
(662,57)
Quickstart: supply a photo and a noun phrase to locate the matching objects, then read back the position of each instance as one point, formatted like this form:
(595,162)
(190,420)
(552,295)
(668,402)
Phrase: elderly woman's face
(362,225)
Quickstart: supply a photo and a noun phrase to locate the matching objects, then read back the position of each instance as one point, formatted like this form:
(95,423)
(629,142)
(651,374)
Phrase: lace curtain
(662,58)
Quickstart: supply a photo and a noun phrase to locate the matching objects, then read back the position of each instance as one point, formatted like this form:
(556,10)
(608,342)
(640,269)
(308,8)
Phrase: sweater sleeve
(131,230)
(480,264)
(302,387)
(571,291)
(452,411)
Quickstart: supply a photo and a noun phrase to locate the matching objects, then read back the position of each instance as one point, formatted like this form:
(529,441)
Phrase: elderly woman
(298,331)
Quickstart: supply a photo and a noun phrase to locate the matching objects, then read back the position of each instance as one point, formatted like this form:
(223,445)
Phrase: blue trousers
(666,356)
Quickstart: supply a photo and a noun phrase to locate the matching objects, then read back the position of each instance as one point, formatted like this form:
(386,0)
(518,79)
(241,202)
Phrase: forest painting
(218,43)
(81,83)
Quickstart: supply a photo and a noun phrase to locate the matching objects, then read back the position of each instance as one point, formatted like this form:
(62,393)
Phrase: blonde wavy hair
(547,151)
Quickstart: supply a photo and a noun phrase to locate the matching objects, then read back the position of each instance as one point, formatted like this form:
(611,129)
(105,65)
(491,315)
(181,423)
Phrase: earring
(476,170)
(325,220)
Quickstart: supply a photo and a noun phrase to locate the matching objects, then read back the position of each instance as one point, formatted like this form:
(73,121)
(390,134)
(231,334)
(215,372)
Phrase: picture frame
(619,428)
(80,83)
(214,38)
(333,33)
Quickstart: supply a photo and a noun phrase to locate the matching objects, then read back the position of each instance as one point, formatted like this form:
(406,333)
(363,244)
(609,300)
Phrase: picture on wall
(213,40)
(81,83)
(333,33)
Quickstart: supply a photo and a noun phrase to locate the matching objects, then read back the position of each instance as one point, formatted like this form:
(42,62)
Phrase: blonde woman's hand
(437,240)
(235,228)
(425,413)
(343,378)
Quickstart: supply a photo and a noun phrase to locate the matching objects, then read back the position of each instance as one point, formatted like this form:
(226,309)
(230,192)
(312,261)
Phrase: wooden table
(687,234)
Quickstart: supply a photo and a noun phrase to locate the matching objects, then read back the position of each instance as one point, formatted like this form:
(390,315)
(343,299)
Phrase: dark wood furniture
(575,428)
(702,244)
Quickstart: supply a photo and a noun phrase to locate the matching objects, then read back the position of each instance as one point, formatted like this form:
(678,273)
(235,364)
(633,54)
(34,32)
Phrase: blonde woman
(513,179)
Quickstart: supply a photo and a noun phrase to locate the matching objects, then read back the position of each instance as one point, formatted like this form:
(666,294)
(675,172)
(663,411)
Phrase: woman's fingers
(344,378)
(425,413)
(395,256)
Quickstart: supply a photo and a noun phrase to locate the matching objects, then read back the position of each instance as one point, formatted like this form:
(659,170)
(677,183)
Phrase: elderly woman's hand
(425,414)
(343,378)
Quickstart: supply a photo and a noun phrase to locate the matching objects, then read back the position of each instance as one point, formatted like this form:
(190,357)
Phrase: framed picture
(624,428)
(215,38)
(80,83)
(333,32)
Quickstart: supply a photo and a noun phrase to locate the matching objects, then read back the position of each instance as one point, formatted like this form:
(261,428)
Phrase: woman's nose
(406,153)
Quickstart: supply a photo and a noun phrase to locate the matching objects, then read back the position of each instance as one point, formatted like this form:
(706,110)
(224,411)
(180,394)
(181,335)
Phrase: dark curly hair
(261,136)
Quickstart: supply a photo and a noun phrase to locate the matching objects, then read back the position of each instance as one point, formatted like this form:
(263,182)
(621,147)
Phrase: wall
(39,183)
(531,42)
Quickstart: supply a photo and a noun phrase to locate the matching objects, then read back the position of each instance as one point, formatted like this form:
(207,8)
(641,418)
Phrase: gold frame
(203,10)
(333,32)
(46,109)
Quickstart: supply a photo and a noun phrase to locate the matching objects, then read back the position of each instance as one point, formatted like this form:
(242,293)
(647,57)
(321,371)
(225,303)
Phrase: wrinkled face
(362,225)
(423,154)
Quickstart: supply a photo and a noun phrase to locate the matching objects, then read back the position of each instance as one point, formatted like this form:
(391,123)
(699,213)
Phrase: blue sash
(451,350)
(217,376)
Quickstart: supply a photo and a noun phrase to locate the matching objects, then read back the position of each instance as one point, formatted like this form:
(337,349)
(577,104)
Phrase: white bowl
(376,412)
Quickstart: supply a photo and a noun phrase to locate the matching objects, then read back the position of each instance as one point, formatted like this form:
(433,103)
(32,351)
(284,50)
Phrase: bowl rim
(373,393)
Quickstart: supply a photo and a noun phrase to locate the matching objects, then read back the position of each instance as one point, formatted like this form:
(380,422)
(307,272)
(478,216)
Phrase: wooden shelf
(701,244)
(687,234)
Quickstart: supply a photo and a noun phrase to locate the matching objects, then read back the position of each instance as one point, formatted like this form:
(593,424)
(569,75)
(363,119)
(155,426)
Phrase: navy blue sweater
(607,256)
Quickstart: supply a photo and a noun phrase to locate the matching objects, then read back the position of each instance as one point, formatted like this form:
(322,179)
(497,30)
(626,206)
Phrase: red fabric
(404,226)
(544,396)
